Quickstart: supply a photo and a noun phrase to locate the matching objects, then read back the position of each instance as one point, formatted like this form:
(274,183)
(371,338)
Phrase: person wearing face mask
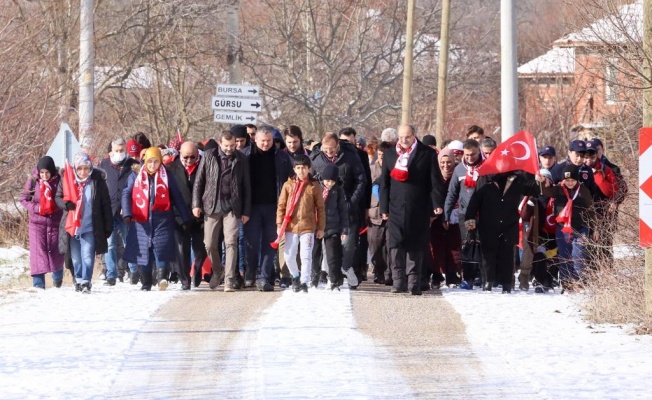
(147,202)
(87,221)
(117,168)
(44,218)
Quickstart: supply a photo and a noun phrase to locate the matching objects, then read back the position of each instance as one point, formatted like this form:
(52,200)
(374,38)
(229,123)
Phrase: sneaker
(109,282)
(296,285)
(249,283)
(228,287)
(285,283)
(304,287)
(351,278)
(163,284)
(78,287)
(466,285)
(85,288)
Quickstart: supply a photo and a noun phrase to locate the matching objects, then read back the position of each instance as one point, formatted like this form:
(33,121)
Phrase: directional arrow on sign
(237,104)
(230,117)
(237,90)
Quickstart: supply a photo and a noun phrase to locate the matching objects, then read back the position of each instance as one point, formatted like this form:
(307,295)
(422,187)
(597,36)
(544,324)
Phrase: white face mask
(117,158)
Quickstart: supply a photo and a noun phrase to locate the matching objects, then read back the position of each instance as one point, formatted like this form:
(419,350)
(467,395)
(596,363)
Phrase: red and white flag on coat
(519,152)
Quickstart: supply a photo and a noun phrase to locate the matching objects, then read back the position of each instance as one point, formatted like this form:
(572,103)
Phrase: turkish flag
(519,152)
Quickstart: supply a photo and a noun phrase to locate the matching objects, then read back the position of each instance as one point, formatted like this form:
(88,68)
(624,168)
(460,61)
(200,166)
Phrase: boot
(146,280)
(135,277)
(488,286)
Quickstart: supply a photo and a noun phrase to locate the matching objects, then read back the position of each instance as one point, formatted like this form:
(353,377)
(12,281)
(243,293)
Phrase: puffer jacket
(204,193)
(309,214)
(337,218)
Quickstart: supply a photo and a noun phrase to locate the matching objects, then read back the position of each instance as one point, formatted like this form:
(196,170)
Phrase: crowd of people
(257,207)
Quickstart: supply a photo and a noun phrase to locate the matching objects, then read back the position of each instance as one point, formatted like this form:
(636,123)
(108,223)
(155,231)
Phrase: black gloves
(70,205)
(127,220)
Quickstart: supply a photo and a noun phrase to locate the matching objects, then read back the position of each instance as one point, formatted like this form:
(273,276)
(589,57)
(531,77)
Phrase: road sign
(645,186)
(230,117)
(238,90)
(65,145)
(237,104)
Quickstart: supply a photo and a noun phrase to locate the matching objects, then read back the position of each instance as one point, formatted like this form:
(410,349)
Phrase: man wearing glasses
(184,170)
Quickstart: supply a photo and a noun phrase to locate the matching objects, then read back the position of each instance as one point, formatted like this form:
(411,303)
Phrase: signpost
(236,104)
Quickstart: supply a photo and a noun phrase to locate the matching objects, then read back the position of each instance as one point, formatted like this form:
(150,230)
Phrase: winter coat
(206,186)
(337,218)
(583,213)
(116,180)
(496,209)
(410,204)
(352,175)
(309,215)
(374,207)
(158,230)
(283,165)
(102,215)
(185,184)
(458,192)
(44,255)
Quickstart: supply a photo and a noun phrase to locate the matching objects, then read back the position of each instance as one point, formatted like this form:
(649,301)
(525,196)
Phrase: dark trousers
(498,262)
(190,241)
(445,249)
(259,232)
(376,235)
(406,268)
(360,259)
(331,248)
(469,271)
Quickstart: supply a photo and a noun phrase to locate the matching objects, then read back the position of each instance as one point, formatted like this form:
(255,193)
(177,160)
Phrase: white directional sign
(238,90)
(230,117)
(237,104)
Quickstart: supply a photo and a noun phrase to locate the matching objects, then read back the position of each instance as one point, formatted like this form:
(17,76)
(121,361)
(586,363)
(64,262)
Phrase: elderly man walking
(411,193)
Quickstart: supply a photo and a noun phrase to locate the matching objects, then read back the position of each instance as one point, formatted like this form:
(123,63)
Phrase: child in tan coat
(301,205)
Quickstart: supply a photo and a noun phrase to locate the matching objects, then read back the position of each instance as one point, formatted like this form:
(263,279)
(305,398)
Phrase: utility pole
(86,72)
(442,83)
(233,42)
(407,65)
(647,123)
(508,78)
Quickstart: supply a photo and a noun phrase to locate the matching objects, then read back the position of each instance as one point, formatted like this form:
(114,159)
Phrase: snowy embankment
(14,262)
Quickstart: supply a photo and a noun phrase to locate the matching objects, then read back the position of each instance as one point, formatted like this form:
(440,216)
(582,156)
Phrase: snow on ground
(310,332)
(14,262)
(543,339)
(58,343)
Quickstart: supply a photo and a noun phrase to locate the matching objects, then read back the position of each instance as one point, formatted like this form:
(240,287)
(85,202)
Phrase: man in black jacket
(411,193)
(362,245)
(222,192)
(117,168)
(184,170)
(344,155)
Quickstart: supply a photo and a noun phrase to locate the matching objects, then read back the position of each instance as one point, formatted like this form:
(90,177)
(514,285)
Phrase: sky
(55,341)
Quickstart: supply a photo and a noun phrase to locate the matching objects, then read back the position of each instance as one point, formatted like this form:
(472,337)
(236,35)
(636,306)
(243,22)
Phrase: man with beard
(294,141)
(222,193)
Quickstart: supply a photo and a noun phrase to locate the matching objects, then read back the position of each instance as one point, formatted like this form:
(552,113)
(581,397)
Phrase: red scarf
(191,168)
(289,209)
(324,193)
(566,214)
(46,205)
(471,178)
(73,191)
(400,170)
(140,195)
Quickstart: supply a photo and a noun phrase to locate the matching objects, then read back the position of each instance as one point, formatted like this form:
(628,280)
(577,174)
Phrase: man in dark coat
(222,192)
(362,245)
(184,170)
(117,168)
(410,194)
(344,155)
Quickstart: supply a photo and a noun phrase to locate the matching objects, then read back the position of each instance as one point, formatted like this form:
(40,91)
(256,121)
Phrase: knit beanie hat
(331,173)
(47,163)
(571,171)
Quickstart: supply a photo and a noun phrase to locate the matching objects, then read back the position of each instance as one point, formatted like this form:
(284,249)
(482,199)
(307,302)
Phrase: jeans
(38,280)
(111,257)
(292,241)
(572,255)
(241,249)
(260,231)
(146,270)
(82,252)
